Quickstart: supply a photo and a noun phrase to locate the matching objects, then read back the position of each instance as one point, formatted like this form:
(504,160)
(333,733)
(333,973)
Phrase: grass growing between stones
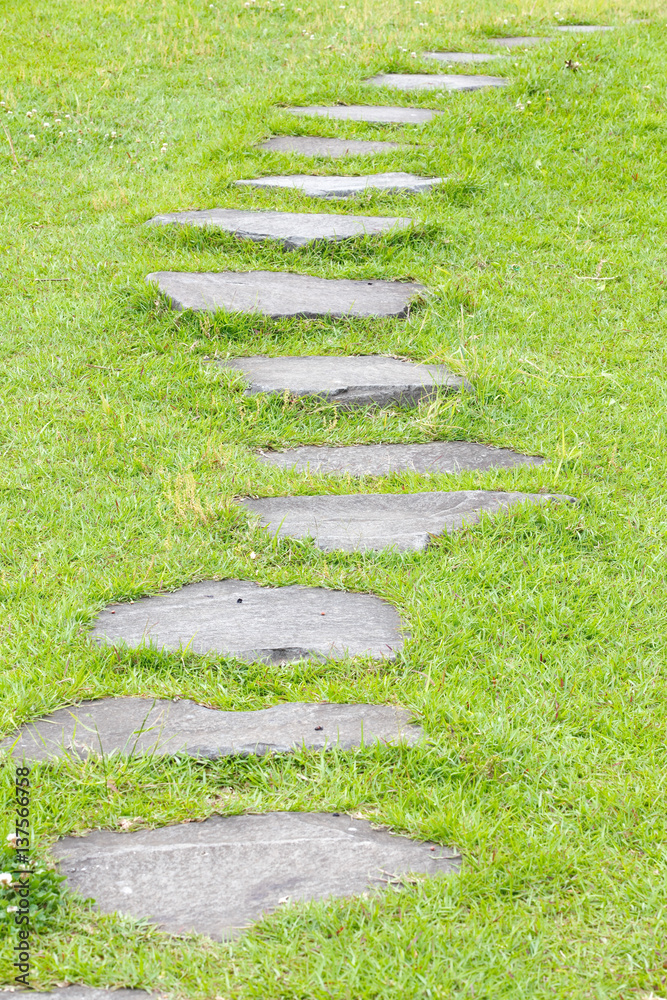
(536,658)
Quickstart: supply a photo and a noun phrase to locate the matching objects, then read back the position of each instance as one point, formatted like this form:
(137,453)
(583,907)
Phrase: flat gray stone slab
(280,293)
(375,521)
(467,58)
(242,867)
(309,145)
(92,993)
(381,114)
(518,41)
(381,459)
(242,619)
(132,726)
(334,186)
(585,27)
(360,380)
(435,81)
(293,229)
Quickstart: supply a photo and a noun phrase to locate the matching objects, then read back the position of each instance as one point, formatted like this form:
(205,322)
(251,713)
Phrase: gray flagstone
(449,58)
(336,186)
(518,41)
(586,28)
(381,114)
(312,145)
(435,81)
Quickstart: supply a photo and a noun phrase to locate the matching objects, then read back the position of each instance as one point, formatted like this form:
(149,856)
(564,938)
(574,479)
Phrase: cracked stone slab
(375,521)
(381,114)
(585,27)
(281,293)
(381,459)
(449,58)
(312,145)
(518,41)
(336,186)
(218,876)
(92,993)
(359,380)
(242,619)
(435,81)
(293,229)
(132,726)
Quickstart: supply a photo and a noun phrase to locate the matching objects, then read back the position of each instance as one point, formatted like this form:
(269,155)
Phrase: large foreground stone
(449,58)
(381,459)
(333,186)
(293,229)
(359,380)
(280,293)
(365,521)
(147,725)
(219,876)
(518,41)
(435,81)
(313,145)
(381,114)
(92,993)
(242,619)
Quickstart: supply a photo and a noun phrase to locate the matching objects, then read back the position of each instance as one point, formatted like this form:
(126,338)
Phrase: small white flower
(31,136)
(11,839)
(57,120)
(12,909)
(79,141)
(113,135)
(66,116)
(312,37)
(46,124)
(414,55)
(28,114)
(6,878)
(253,555)
(2,104)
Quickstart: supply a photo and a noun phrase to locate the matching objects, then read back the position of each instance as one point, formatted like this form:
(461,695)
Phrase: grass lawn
(536,659)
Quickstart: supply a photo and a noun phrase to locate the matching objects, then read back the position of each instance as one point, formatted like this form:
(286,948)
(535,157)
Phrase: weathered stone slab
(359,380)
(313,145)
(280,293)
(334,186)
(366,521)
(381,114)
(518,41)
(467,58)
(242,619)
(435,81)
(381,459)
(241,867)
(293,229)
(92,993)
(585,27)
(132,726)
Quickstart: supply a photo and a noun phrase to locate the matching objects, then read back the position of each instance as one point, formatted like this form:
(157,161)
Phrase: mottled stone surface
(381,459)
(381,114)
(358,380)
(219,876)
(157,726)
(92,993)
(435,81)
(467,58)
(242,619)
(585,27)
(313,145)
(333,186)
(280,293)
(365,521)
(293,229)
(518,41)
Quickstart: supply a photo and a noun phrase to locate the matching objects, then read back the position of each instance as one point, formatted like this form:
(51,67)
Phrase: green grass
(536,661)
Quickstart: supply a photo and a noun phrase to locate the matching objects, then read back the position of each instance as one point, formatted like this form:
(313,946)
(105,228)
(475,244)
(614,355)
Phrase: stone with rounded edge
(218,876)
(135,726)
(518,41)
(450,58)
(241,619)
(314,145)
(376,113)
(337,186)
(435,81)
(585,27)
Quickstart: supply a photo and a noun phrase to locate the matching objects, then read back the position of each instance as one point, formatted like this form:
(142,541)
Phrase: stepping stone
(293,229)
(308,145)
(360,380)
(369,113)
(333,186)
(241,619)
(434,81)
(243,867)
(518,41)
(280,293)
(585,27)
(92,993)
(147,725)
(461,57)
(381,459)
(375,521)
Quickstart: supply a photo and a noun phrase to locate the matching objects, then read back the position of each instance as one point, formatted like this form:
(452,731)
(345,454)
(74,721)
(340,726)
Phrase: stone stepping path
(376,521)
(518,41)
(435,81)
(380,114)
(309,145)
(281,293)
(242,867)
(242,619)
(92,993)
(382,459)
(147,725)
(585,27)
(449,58)
(336,186)
(293,229)
(358,380)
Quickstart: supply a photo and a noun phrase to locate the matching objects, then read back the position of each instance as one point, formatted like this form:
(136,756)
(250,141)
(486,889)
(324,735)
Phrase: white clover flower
(11,839)
(46,124)
(57,120)
(6,878)
(31,136)
(66,116)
